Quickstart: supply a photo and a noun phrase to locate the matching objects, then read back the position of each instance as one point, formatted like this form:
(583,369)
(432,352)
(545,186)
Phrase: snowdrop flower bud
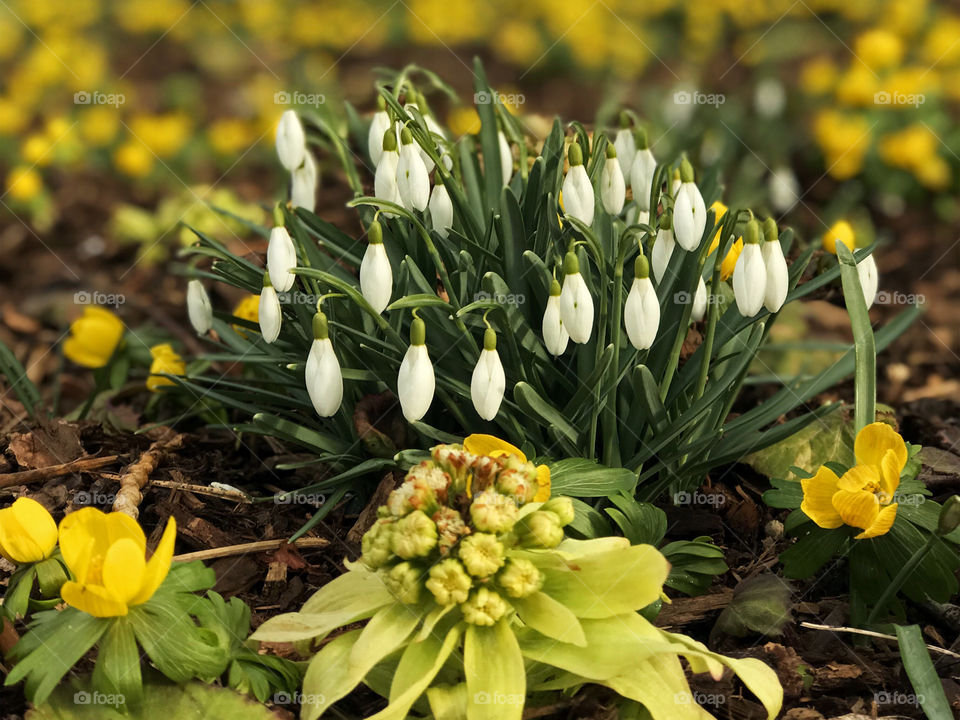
(750,274)
(415,381)
(641,171)
(441,210)
(613,190)
(376,275)
(506,157)
(626,145)
(689,212)
(378,126)
(199,309)
(303,184)
(555,336)
(385,178)
(662,246)
(269,311)
(675,185)
(577,191)
(699,309)
(489,382)
(869,280)
(776,265)
(413,183)
(576,304)
(281,255)
(324,379)
(291,141)
(641,314)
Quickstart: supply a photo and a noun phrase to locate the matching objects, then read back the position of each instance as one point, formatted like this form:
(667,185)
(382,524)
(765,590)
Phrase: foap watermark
(295,498)
(295,297)
(699,498)
(909,499)
(299,698)
(295,97)
(510,99)
(695,97)
(83,697)
(497,698)
(83,97)
(700,698)
(93,498)
(685,298)
(500,298)
(898,98)
(85,297)
(885,697)
(898,298)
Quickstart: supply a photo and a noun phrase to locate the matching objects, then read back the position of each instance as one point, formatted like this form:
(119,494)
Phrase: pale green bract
(471,607)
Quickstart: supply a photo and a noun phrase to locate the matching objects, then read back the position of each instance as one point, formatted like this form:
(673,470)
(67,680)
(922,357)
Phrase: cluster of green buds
(449,530)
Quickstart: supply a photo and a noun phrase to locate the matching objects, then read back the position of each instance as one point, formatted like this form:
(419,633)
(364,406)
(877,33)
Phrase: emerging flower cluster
(449,530)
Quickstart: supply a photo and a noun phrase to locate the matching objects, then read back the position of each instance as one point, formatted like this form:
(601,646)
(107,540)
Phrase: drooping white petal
(626,145)
(378,126)
(269,314)
(661,253)
(415,383)
(869,279)
(778,277)
(303,184)
(641,313)
(750,280)
(291,141)
(578,199)
(576,308)
(613,190)
(199,309)
(506,157)
(555,335)
(699,309)
(689,217)
(441,210)
(376,276)
(324,378)
(413,183)
(488,384)
(641,177)
(385,179)
(281,259)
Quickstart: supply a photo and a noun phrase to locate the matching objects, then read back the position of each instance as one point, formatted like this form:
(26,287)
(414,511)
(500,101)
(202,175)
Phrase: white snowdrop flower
(378,126)
(642,169)
(281,255)
(415,381)
(291,141)
(578,199)
(689,212)
(441,210)
(662,247)
(376,275)
(323,375)
(489,381)
(576,304)
(433,127)
(778,277)
(385,178)
(270,316)
(506,157)
(413,182)
(555,336)
(769,97)
(613,190)
(303,184)
(641,313)
(675,184)
(869,279)
(626,145)
(783,188)
(699,309)
(750,274)
(199,309)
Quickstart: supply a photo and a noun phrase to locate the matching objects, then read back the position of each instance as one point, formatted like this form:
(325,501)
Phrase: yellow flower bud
(166,361)
(27,532)
(484,607)
(94,337)
(481,554)
(448,582)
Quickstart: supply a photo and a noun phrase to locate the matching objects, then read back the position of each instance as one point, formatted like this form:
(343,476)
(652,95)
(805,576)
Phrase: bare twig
(871,633)
(138,474)
(247,548)
(203,490)
(40,474)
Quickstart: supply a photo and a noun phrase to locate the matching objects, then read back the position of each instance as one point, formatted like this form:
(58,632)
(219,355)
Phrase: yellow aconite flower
(840,231)
(818,76)
(167,361)
(844,140)
(463,120)
(24,183)
(878,48)
(480,444)
(730,259)
(134,159)
(27,532)
(94,337)
(863,497)
(106,556)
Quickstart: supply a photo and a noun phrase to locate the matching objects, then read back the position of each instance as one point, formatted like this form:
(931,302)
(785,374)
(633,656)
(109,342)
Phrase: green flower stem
(865,378)
(901,577)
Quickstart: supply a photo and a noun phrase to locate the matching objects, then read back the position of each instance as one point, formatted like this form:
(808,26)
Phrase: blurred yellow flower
(99,125)
(941,46)
(165,361)
(164,134)
(915,149)
(36,150)
(857,86)
(133,159)
(878,48)
(841,231)
(27,532)
(106,555)
(844,140)
(231,136)
(24,183)
(248,309)
(518,42)
(94,337)
(819,76)
(463,120)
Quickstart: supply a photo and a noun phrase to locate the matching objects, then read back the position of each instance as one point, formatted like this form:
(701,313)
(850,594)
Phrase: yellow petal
(543,484)
(159,564)
(480,444)
(881,524)
(818,493)
(27,532)
(81,355)
(873,442)
(92,599)
(857,508)
(88,532)
(890,469)
(859,477)
(729,263)
(123,569)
